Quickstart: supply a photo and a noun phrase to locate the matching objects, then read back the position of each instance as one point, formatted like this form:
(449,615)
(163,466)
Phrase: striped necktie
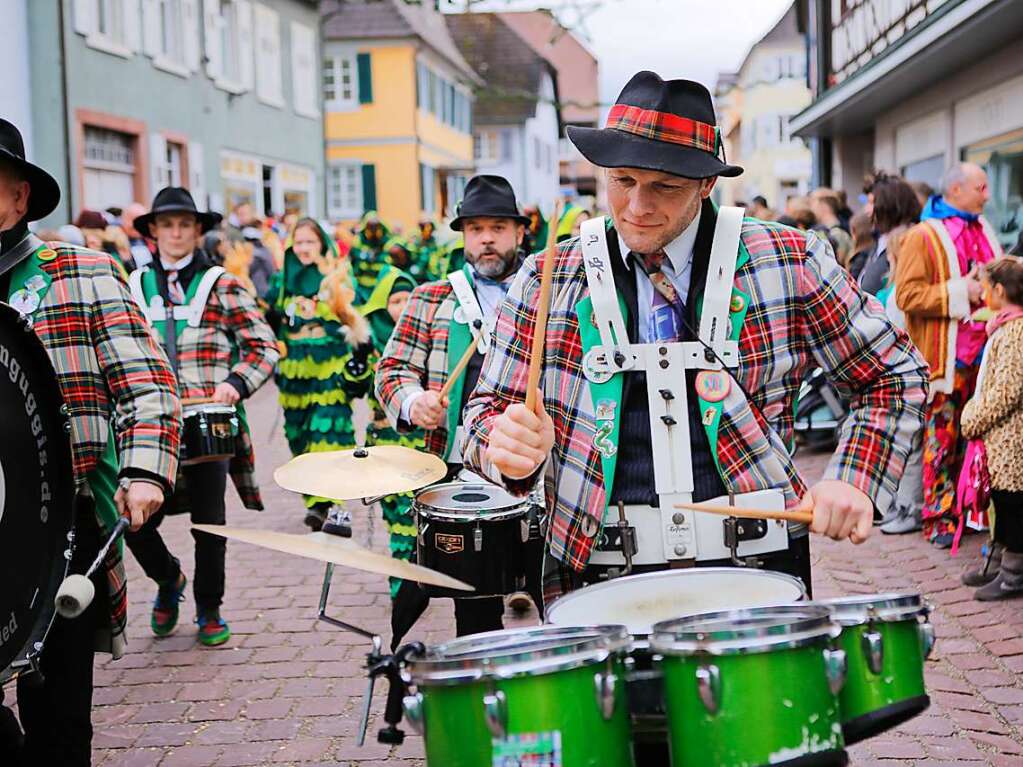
(667,308)
(174,291)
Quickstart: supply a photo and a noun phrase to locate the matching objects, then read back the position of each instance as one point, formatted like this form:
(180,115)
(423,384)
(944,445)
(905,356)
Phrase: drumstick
(806,517)
(197,400)
(462,363)
(542,309)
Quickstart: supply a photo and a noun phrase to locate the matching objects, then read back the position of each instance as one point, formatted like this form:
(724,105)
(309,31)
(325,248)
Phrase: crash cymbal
(361,473)
(338,551)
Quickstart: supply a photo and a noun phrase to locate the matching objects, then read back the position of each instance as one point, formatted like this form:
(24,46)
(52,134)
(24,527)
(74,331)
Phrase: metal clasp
(708,685)
(873,648)
(605,684)
(495,712)
(927,638)
(413,705)
(836,666)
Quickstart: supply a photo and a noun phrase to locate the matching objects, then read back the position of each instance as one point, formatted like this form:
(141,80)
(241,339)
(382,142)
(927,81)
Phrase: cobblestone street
(288,690)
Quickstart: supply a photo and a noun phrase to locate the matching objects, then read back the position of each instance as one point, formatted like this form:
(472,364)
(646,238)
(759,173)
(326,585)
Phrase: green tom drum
(551,696)
(745,688)
(886,638)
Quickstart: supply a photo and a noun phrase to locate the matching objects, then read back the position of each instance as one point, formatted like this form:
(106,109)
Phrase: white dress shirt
(678,266)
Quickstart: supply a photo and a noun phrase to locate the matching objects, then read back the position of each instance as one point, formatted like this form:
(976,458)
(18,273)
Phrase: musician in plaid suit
(224,352)
(788,308)
(432,335)
(107,364)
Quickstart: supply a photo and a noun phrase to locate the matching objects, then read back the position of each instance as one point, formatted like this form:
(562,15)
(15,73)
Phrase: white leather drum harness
(666,534)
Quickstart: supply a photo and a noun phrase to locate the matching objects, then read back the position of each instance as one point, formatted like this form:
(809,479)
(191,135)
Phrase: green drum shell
(564,700)
(761,693)
(790,683)
(874,702)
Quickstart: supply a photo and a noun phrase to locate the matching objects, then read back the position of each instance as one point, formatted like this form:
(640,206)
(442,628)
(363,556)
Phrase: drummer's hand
(139,502)
(521,440)
(226,394)
(429,410)
(840,511)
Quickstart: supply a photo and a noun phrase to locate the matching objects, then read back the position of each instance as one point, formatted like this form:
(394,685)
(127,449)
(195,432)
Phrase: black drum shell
(449,547)
(208,435)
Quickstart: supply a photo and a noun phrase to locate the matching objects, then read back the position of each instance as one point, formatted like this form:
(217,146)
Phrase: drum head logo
(449,544)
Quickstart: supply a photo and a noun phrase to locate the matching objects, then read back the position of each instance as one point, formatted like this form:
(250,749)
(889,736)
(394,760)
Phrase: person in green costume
(536,230)
(568,226)
(325,346)
(433,255)
(382,310)
(406,257)
(368,256)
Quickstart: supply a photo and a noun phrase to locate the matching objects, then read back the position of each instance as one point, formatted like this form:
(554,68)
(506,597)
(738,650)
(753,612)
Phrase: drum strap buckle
(734,531)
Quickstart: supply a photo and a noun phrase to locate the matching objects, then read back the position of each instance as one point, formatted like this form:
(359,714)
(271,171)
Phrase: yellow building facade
(398,129)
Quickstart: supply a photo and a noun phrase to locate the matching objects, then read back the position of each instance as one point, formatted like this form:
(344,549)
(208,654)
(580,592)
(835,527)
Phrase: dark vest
(634,470)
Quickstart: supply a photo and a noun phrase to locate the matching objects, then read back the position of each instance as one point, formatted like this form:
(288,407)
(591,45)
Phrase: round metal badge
(595,368)
(712,386)
(25,301)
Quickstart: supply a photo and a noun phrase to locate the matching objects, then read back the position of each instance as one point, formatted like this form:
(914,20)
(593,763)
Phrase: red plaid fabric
(662,126)
(110,371)
(233,337)
(804,312)
(416,357)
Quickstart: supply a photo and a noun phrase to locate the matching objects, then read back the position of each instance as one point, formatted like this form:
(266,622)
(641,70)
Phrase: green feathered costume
(430,252)
(315,381)
(446,259)
(397,509)
(405,256)
(368,255)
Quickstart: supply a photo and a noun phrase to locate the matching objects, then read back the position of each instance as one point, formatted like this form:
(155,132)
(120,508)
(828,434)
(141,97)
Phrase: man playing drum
(124,417)
(676,343)
(432,335)
(222,350)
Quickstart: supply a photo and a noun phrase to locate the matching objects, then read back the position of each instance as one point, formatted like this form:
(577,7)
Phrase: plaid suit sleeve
(147,413)
(257,346)
(504,376)
(403,368)
(873,365)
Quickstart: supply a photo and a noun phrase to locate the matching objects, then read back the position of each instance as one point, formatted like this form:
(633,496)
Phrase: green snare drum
(745,688)
(886,638)
(551,696)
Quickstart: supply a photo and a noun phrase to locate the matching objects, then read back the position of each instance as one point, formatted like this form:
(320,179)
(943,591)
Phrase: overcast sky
(694,39)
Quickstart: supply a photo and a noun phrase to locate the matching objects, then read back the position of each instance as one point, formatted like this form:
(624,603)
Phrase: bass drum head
(36,492)
(640,601)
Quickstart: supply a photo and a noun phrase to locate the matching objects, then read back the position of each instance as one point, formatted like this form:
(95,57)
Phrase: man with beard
(432,335)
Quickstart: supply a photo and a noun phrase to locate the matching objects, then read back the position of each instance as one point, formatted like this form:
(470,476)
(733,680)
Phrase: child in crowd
(995,415)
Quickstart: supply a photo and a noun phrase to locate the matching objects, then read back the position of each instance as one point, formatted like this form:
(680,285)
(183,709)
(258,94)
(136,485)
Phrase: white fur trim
(958,298)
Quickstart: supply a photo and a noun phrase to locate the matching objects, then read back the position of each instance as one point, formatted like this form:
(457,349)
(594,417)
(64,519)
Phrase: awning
(942,45)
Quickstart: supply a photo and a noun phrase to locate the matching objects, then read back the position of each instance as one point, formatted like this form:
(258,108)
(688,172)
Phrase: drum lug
(836,666)
(477,539)
(873,648)
(413,705)
(927,638)
(495,711)
(708,685)
(605,684)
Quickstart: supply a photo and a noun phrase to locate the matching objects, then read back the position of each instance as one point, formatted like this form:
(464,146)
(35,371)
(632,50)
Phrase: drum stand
(377,664)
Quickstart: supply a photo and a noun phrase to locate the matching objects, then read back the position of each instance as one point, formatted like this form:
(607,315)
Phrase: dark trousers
(56,709)
(1009,519)
(206,483)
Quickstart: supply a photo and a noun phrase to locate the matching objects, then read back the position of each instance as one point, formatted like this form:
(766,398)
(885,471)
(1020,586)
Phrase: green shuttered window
(369,187)
(365,68)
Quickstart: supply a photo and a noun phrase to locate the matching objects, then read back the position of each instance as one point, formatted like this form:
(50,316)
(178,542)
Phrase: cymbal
(339,551)
(361,473)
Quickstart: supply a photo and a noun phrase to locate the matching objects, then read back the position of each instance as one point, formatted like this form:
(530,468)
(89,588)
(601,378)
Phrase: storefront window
(928,170)
(1002,158)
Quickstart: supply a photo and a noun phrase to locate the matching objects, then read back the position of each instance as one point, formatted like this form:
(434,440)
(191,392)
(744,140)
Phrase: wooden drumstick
(542,308)
(197,400)
(806,517)
(460,367)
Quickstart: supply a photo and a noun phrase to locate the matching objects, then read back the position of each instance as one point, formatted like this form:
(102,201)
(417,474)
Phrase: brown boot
(988,570)
(1008,584)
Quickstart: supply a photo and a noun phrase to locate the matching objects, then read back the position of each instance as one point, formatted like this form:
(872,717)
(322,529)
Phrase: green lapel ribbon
(459,338)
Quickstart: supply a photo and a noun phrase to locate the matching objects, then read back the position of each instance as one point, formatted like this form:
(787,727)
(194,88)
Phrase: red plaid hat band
(662,126)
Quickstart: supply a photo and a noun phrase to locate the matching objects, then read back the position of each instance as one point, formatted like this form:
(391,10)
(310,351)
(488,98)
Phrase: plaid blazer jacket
(232,339)
(110,370)
(416,356)
(804,311)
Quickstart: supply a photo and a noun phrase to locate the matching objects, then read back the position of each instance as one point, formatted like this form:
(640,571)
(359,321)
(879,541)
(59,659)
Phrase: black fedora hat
(655,124)
(45,191)
(490,196)
(175,199)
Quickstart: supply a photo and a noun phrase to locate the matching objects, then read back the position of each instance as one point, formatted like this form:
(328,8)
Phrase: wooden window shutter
(369,186)
(362,62)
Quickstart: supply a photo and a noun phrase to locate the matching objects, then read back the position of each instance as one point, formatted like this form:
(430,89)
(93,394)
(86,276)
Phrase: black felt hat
(490,196)
(45,191)
(175,199)
(662,125)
